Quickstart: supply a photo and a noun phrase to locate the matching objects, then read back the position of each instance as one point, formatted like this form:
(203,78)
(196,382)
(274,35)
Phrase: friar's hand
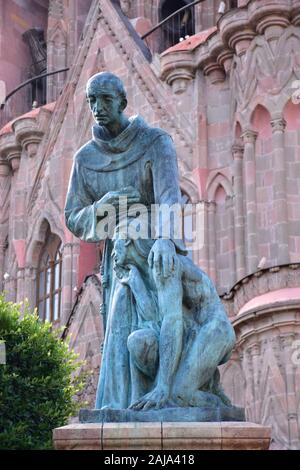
(162,257)
(155,399)
(113,197)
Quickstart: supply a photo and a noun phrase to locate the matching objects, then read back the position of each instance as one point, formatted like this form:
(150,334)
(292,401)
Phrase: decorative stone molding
(209,59)
(240,32)
(265,70)
(4,167)
(27,134)
(249,136)
(278,124)
(236,30)
(10,150)
(270,14)
(214,71)
(57,35)
(250,325)
(179,76)
(56,9)
(225,59)
(295,13)
(261,282)
(240,40)
(185,58)
(237,151)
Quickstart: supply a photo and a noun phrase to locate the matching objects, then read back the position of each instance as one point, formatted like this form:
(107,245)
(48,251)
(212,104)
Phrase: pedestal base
(162,436)
(192,414)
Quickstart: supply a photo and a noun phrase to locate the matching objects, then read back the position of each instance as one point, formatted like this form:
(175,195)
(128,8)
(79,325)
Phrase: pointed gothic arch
(221,229)
(213,183)
(43,224)
(189,188)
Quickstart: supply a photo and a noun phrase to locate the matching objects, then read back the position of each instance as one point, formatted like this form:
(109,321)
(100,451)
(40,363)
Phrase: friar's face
(105,103)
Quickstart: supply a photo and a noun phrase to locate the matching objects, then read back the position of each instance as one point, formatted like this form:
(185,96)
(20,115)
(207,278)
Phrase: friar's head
(106,96)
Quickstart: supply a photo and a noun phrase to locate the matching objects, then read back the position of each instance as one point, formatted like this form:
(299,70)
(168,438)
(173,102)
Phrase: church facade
(223,80)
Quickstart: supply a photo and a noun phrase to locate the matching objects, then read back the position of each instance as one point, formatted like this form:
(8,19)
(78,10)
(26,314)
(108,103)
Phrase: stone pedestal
(166,415)
(163,436)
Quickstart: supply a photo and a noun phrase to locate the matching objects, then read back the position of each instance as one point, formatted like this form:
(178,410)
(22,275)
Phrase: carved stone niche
(10,150)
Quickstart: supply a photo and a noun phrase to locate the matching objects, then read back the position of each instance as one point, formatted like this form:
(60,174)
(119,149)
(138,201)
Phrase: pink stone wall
(88,260)
(83,7)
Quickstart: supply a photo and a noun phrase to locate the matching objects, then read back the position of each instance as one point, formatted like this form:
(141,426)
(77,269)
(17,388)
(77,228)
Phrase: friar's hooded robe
(144,158)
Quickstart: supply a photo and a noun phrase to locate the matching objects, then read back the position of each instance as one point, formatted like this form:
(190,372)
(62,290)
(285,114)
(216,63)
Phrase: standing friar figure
(166,330)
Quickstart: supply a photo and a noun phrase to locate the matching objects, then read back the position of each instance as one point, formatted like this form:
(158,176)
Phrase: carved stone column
(280,197)
(50,68)
(4,196)
(20,285)
(212,240)
(249,183)
(30,283)
(239,231)
(231,241)
(255,358)
(292,408)
(69,278)
(2,252)
(10,287)
(202,257)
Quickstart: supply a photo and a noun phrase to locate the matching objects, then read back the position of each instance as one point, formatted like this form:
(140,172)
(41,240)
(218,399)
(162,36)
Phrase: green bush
(38,383)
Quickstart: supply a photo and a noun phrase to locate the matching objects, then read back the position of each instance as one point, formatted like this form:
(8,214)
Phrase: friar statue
(166,331)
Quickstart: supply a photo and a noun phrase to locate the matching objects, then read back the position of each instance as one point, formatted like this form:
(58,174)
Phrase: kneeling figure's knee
(143,349)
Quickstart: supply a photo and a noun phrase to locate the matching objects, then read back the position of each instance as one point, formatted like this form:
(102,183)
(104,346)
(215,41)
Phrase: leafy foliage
(38,383)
